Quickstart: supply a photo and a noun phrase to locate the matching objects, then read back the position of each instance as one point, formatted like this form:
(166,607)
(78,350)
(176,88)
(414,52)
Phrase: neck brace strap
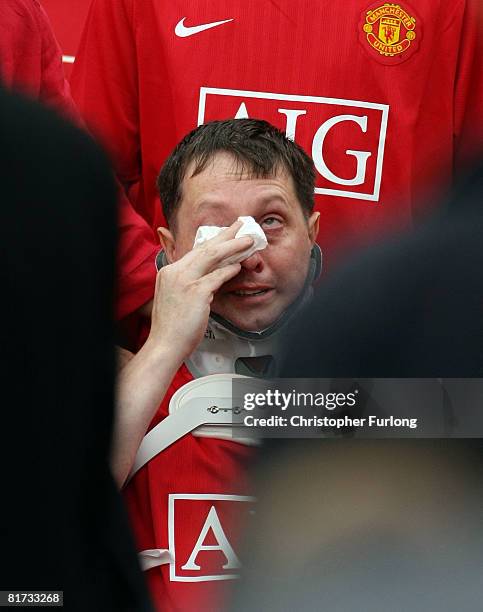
(204,407)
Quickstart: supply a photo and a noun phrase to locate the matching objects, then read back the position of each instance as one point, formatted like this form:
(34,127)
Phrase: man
(31,62)
(188,502)
(361,85)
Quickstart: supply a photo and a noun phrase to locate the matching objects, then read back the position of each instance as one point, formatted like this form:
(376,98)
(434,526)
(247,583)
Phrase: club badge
(390,32)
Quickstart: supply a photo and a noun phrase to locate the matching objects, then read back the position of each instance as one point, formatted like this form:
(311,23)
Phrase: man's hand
(184,292)
(185,289)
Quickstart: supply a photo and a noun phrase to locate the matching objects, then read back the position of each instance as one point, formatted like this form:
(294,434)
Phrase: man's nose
(254,263)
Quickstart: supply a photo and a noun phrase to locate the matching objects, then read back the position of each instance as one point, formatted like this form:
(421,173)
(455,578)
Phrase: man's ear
(313,226)
(166,240)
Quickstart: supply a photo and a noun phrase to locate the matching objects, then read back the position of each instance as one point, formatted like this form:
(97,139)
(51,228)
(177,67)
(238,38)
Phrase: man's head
(244,167)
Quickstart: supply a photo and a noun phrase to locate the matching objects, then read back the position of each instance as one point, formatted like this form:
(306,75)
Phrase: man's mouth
(243,293)
(251,293)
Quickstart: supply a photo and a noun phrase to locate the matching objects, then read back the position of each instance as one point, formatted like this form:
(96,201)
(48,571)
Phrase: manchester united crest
(391,31)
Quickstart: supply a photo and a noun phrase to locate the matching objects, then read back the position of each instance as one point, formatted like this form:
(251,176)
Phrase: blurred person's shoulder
(46,145)
(19,114)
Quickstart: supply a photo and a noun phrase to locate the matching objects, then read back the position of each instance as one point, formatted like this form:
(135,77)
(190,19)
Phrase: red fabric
(30,61)
(191,466)
(138,85)
(136,256)
(67,19)
(30,57)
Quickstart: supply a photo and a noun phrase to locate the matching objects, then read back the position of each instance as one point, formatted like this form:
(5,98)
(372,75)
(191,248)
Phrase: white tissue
(249,228)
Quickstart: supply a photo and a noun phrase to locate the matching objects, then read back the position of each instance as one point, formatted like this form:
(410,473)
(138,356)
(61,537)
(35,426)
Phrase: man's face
(269,280)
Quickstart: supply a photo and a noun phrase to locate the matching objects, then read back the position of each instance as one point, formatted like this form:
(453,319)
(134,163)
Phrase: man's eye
(271,223)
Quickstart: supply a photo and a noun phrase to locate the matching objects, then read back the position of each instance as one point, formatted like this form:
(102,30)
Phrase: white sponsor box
(203,533)
(345,138)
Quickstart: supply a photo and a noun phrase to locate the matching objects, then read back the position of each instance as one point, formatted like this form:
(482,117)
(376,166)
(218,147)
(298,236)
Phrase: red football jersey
(31,62)
(385,97)
(30,58)
(192,500)
(67,19)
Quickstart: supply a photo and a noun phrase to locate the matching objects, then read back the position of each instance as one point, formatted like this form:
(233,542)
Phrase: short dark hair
(257,146)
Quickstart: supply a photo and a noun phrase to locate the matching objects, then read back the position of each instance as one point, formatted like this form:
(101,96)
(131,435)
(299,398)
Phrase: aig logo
(345,137)
(203,532)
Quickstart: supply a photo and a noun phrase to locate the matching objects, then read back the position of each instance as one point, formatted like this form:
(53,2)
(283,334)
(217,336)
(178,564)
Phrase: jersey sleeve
(104,87)
(54,87)
(468,93)
(137,251)
(30,56)
(104,83)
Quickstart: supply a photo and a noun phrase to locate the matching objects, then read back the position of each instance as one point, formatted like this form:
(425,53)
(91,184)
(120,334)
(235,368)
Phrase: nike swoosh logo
(183,31)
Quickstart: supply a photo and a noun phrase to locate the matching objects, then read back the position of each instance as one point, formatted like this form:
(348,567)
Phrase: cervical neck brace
(224,343)
(220,350)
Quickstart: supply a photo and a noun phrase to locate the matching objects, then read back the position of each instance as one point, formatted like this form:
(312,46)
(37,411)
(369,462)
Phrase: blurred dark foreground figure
(62,524)
(412,307)
(380,525)
(366,526)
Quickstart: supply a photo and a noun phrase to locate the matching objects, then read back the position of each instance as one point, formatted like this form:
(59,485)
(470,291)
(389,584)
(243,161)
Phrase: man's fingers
(227,234)
(214,280)
(212,255)
(220,252)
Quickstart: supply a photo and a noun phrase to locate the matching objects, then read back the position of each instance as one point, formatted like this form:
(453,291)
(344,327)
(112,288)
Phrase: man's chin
(249,324)
(251,313)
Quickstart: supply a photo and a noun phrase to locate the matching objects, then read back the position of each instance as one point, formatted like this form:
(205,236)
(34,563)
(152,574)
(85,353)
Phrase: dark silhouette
(409,308)
(62,523)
